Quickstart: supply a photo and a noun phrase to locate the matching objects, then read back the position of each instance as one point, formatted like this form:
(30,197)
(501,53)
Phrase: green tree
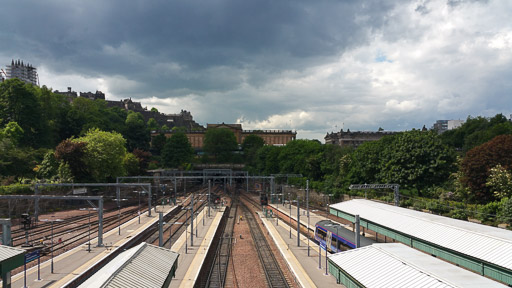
(500,182)
(152,124)
(13,132)
(18,103)
(505,213)
(220,143)
(154,110)
(177,151)
(131,164)
(104,154)
(476,131)
(418,160)
(54,108)
(136,134)
(250,146)
(301,157)
(158,143)
(49,166)
(267,161)
(365,162)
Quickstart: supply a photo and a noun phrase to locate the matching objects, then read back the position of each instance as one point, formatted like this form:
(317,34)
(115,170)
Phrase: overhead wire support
(395,188)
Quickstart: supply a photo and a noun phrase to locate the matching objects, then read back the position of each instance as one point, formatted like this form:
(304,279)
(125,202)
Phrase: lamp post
(139,192)
(307,208)
(327,207)
(186,230)
(119,214)
(290,205)
(298,221)
(277,213)
(197,214)
(209,188)
(89,216)
(52,220)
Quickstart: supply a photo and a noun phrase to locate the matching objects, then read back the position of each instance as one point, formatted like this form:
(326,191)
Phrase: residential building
(25,72)
(442,126)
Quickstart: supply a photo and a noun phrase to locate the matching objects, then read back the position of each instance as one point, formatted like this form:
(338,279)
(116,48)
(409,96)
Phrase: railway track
(63,228)
(219,269)
(181,217)
(273,273)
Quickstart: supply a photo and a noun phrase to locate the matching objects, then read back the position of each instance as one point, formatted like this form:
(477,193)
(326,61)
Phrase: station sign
(79,191)
(29,257)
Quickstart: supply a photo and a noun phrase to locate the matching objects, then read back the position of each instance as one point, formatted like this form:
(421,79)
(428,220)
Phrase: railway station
(215,230)
(397,265)
(483,249)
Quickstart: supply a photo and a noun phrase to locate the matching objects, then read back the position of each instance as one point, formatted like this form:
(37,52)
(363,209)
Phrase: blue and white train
(333,236)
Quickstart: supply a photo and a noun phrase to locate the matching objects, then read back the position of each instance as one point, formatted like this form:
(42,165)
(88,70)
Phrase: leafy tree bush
(505,214)
(476,131)
(250,146)
(500,182)
(136,134)
(131,164)
(104,154)
(488,211)
(220,143)
(416,159)
(177,151)
(49,166)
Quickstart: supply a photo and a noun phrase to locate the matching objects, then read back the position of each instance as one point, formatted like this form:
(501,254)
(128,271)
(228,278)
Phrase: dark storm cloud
(200,36)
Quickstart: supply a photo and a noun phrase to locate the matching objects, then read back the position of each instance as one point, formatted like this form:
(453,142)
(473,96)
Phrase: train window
(320,234)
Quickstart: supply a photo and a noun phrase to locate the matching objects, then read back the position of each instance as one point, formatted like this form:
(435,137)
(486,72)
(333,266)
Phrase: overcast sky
(311,66)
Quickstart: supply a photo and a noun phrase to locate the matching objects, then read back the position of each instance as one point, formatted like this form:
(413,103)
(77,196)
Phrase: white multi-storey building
(24,72)
(444,125)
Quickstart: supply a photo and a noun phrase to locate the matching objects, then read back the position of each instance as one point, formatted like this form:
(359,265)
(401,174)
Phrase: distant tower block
(24,72)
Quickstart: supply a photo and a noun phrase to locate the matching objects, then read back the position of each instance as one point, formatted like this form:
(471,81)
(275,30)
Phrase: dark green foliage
(17,189)
(18,103)
(220,143)
(476,131)
(267,160)
(250,146)
(365,163)
(136,134)
(416,159)
(177,151)
(157,144)
(152,124)
(301,157)
(49,166)
(505,214)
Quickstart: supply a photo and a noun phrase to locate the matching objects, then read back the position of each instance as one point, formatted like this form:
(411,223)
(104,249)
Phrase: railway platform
(304,268)
(74,262)
(191,258)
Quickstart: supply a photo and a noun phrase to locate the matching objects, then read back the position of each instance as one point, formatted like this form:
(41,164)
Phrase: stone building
(354,139)
(271,137)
